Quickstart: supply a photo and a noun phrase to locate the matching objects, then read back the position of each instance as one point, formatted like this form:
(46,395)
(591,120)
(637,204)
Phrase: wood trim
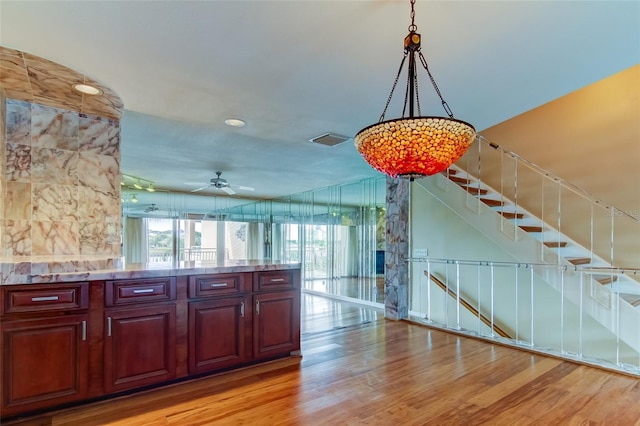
(468,306)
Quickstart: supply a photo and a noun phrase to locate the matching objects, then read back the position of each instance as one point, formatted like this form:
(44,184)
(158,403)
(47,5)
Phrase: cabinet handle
(84,330)
(241,309)
(108,326)
(277,280)
(44,299)
(142,290)
(258,307)
(219,285)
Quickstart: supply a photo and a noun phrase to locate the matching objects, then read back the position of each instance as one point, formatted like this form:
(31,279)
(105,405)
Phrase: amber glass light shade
(414,147)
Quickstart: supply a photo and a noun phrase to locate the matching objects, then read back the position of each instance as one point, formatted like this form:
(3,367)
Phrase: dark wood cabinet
(139,347)
(216,334)
(276,324)
(64,343)
(44,346)
(44,362)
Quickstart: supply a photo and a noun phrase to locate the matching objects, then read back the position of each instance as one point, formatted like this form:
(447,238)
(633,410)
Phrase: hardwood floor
(358,368)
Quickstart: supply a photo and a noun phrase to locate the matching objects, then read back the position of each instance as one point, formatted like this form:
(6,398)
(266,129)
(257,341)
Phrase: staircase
(618,232)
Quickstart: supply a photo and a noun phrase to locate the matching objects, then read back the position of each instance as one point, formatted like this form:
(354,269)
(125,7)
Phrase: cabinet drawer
(125,292)
(216,285)
(48,297)
(273,280)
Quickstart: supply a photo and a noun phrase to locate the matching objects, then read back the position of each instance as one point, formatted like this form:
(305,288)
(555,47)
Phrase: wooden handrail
(467,305)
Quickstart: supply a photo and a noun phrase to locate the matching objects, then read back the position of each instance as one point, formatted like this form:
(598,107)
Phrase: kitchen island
(71,337)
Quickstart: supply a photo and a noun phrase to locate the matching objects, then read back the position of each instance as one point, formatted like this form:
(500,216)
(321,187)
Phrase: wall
(63,183)
(3,194)
(60,171)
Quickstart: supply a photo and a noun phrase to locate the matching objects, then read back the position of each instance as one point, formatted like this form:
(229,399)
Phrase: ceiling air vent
(329,139)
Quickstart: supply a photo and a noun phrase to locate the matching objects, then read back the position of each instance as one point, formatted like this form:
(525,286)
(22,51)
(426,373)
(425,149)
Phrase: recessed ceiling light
(234,122)
(87,89)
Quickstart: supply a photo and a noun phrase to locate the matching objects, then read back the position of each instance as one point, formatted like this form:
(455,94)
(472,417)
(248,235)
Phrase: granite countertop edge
(139,271)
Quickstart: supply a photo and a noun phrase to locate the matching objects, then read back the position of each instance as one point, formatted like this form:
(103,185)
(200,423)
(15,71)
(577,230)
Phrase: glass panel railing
(572,226)
(552,309)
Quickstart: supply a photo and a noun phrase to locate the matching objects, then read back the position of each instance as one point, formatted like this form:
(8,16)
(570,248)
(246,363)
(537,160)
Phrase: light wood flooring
(359,369)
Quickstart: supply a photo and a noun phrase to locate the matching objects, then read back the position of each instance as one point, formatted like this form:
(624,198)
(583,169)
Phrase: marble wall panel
(17,238)
(45,187)
(100,172)
(18,122)
(3,178)
(99,136)
(95,205)
(99,238)
(60,196)
(57,166)
(107,106)
(396,279)
(13,75)
(17,201)
(56,238)
(18,162)
(52,82)
(54,128)
(55,202)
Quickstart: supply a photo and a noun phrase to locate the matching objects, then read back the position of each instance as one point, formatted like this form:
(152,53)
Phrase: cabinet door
(140,347)
(276,324)
(44,362)
(216,334)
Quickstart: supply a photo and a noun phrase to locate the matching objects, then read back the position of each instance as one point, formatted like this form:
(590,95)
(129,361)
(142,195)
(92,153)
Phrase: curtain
(255,241)
(135,247)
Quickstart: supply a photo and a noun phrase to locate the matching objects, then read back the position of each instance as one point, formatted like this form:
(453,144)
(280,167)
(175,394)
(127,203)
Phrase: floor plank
(358,368)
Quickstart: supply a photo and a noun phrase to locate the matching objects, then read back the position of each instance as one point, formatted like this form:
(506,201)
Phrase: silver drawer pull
(44,299)
(143,290)
(242,309)
(84,330)
(219,285)
(277,280)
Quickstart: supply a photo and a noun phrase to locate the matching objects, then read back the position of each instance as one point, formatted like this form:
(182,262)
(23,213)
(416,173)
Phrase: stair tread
(632,299)
(457,179)
(607,280)
(492,203)
(528,228)
(555,244)
(472,190)
(580,260)
(511,215)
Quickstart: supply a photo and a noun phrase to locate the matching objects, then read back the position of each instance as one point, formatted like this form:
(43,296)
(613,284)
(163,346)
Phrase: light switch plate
(420,252)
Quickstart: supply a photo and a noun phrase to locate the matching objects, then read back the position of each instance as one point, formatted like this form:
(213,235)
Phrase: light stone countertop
(150,270)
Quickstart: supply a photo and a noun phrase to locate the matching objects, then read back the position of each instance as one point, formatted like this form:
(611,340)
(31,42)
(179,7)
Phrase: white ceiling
(297,69)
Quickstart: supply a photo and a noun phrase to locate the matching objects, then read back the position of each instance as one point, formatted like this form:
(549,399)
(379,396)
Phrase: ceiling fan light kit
(414,146)
(222,184)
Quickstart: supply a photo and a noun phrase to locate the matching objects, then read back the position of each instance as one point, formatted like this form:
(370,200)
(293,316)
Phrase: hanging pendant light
(414,146)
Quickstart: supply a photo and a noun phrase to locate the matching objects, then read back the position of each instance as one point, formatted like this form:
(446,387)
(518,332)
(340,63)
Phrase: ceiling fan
(222,184)
(151,208)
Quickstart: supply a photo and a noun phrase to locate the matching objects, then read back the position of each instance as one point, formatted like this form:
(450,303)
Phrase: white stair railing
(517,298)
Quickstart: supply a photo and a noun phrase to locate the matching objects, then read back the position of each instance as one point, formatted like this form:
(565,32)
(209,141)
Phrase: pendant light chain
(393,88)
(445,105)
(413,26)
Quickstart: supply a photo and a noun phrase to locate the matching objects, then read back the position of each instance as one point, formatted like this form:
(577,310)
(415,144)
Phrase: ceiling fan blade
(199,189)
(228,190)
(246,188)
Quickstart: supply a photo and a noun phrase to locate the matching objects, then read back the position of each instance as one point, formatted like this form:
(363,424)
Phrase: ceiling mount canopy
(414,146)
